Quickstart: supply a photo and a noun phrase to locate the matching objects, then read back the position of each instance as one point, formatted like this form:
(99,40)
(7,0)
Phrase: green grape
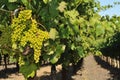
(21,61)
(26,32)
(14,46)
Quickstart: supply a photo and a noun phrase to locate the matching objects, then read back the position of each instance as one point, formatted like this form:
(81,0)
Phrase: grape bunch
(21,61)
(27,33)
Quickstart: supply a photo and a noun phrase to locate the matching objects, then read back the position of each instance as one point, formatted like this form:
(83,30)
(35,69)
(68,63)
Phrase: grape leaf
(53,33)
(12,0)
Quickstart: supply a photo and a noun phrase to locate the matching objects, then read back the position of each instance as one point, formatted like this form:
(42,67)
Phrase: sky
(112,11)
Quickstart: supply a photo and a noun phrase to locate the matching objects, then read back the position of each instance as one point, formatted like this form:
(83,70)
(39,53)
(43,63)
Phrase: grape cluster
(26,32)
(21,61)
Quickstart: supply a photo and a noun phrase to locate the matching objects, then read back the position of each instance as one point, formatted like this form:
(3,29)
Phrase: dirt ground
(93,68)
(96,69)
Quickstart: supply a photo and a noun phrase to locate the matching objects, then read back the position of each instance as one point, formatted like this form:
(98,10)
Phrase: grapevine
(75,30)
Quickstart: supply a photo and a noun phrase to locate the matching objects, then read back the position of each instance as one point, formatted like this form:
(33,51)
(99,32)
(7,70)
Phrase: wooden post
(53,72)
(65,74)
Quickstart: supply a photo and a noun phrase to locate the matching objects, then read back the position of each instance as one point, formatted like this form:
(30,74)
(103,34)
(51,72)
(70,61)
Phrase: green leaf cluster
(28,71)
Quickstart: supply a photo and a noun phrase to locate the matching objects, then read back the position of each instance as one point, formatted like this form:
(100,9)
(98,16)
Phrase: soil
(93,68)
(96,69)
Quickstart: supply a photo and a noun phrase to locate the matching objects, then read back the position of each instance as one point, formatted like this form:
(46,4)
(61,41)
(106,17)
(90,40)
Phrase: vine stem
(5,10)
(42,26)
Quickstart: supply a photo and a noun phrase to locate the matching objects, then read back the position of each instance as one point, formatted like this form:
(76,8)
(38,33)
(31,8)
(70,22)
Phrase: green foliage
(53,33)
(5,35)
(12,0)
(5,42)
(28,71)
(57,53)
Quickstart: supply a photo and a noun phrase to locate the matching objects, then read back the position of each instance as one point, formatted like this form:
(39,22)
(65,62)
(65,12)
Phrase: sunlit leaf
(53,33)
(12,0)
(62,6)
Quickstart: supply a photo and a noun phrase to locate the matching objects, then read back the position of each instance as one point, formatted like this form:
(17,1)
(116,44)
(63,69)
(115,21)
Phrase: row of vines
(115,62)
(58,31)
(111,52)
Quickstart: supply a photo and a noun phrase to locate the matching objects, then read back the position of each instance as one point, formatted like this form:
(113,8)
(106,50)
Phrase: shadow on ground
(72,70)
(5,72)
(11,69)
(58,77)
(114,72)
